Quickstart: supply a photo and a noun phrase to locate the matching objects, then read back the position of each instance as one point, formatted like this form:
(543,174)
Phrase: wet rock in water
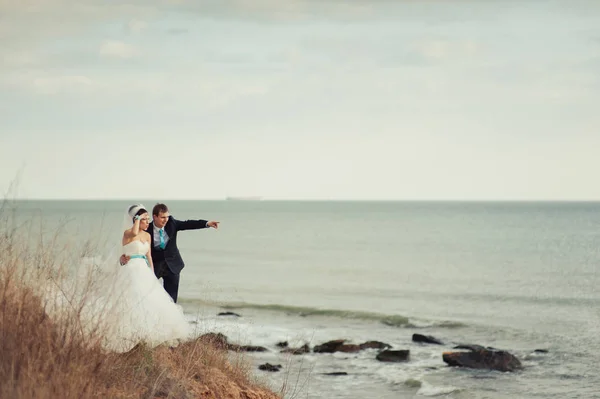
(339,345)
(471,347)
(247,348)
(479,358)
(393,356)
(336,373)
(541,351)
(426,339)
(374,345)
(228,314)
(283,344)
(329,346)
(219,341)
(348,348)
(270,367)
(412,383)
(297,351)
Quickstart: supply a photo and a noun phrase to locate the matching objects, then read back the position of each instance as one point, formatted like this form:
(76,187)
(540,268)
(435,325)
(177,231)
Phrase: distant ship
(243,198)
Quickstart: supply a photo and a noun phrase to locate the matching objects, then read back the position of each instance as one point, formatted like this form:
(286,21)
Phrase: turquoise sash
(140,257)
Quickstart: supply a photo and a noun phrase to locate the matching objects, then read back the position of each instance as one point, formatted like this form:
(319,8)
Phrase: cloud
(18,59)
(136,26)
(277,11)
(177,31)
(438,49)
(117,49)
(32,22)
(67,84)
(227,95)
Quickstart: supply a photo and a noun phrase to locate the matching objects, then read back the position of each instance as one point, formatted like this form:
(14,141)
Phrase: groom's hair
(159,208)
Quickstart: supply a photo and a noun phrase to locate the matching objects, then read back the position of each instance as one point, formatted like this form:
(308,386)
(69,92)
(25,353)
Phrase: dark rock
(283,344)
(329,346)
(471,347)
(541,351)
(270,367)
(229,314)
(413,383)
(297,351)
(217,340)
(348,348)
(339,345)
(483,359)
(393,356)
(426,339)
(247,348)
(374,345)
(336,373)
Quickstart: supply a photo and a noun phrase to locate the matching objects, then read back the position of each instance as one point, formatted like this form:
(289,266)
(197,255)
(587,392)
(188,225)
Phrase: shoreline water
(425,374)
(512,276)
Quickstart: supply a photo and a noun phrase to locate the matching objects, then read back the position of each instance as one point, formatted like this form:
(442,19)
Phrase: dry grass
(42,357)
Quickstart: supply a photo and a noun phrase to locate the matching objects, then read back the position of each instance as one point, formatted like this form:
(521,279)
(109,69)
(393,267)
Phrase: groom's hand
(124,259)
(213,224)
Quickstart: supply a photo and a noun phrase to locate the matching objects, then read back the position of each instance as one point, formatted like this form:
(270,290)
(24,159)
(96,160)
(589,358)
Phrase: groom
(165,254)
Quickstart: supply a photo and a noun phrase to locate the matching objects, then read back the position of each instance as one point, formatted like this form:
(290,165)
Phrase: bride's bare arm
(126,237)
(129,234)
(136,225)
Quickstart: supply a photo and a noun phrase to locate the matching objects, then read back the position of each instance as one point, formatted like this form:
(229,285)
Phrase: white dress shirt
(156,237)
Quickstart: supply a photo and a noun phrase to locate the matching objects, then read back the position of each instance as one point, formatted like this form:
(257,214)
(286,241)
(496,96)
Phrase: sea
(516,276)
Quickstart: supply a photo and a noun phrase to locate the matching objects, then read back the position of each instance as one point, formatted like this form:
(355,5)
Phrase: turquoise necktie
(162,239)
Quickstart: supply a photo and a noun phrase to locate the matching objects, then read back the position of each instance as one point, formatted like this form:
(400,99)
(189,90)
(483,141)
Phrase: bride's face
(144,221)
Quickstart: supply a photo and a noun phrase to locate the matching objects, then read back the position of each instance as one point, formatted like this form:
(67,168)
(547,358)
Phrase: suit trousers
(170,280)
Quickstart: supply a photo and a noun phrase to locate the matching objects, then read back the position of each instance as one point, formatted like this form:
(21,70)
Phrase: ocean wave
(430,390)
(304,311)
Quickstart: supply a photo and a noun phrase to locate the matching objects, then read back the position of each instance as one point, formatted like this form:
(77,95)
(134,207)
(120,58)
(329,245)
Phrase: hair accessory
(135,209)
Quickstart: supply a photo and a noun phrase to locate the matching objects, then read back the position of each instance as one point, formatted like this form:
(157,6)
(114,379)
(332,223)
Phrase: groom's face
(161,219)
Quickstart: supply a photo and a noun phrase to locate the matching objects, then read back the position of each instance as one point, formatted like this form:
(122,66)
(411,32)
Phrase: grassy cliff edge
(42,357)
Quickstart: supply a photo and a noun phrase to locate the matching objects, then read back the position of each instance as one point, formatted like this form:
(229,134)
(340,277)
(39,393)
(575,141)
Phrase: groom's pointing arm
(193,224)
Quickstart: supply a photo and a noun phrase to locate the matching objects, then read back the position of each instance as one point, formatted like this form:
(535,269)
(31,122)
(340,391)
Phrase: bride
(142,311)
(122,305)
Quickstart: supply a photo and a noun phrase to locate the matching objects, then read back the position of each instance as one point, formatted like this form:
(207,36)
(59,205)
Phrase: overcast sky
(300,99)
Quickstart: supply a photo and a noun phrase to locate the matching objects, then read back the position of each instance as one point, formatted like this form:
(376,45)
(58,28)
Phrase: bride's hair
(140,211)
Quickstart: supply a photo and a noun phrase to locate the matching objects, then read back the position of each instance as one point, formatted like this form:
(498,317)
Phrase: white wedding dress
(140,309)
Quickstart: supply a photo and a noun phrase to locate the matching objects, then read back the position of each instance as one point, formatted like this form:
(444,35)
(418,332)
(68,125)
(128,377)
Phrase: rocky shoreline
(471,356)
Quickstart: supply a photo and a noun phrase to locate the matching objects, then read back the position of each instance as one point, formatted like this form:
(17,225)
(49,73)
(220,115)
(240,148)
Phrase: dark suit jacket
(171,254)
